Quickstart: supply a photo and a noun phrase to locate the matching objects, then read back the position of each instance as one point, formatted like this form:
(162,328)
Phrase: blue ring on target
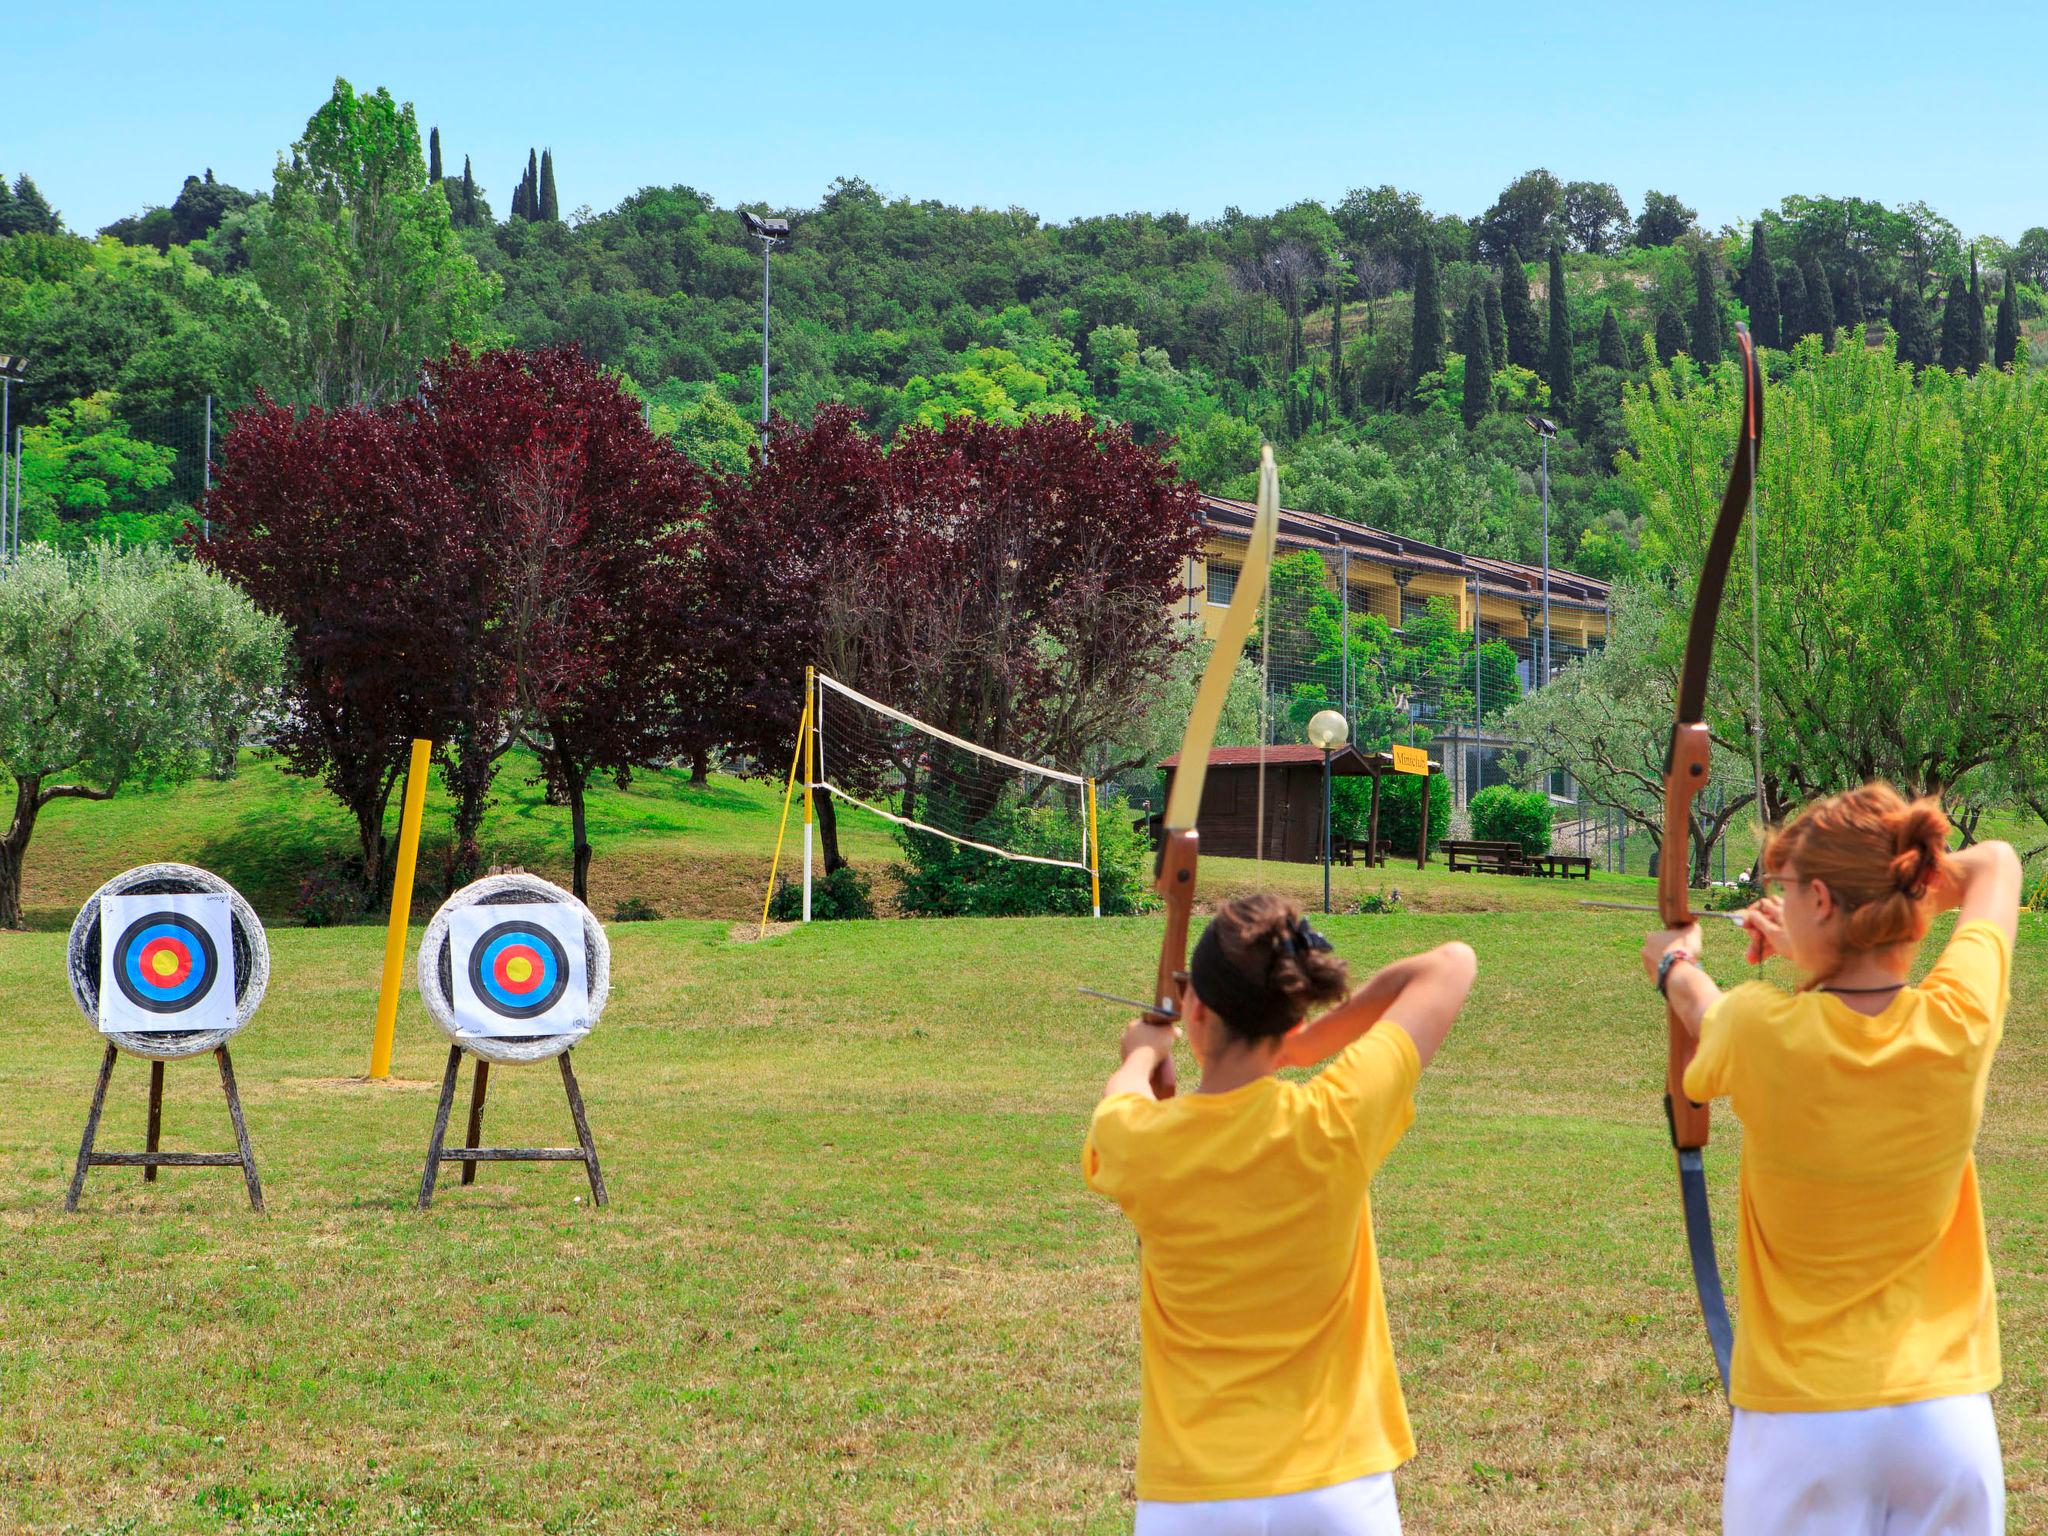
(518,969)
(165,962)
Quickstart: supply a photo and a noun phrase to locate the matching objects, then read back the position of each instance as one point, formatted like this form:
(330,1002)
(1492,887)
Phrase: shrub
(940,878)
(1400,809)
(332,896)
(635,909)
(843,893)
(1503,814)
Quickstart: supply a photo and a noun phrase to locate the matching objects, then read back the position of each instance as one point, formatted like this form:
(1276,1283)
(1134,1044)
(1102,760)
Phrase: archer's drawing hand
(1765,922)
(1156,1040)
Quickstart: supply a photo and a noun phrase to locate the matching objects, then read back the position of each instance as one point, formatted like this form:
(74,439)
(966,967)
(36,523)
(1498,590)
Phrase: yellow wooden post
(803,737)
(1094,851)
(401,910)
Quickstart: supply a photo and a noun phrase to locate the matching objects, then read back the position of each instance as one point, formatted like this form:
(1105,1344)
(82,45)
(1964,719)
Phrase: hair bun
(1920,836)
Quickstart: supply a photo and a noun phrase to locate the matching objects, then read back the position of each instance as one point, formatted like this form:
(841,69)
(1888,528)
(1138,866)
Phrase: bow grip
(1176,885)
(1685,775)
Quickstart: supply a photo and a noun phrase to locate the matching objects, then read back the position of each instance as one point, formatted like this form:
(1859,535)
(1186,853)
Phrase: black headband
(1247,1003)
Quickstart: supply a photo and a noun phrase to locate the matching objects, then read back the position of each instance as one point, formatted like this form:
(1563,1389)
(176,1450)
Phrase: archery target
(166,964)
(518,969)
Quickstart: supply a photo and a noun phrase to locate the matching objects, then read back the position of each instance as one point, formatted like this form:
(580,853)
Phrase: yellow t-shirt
(1864,1278)
(1268,1367)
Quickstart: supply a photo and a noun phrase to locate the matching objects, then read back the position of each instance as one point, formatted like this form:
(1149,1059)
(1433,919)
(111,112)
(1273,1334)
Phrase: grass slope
(850,1280)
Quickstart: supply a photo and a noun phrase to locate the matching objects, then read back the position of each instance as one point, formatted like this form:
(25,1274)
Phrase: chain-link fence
(138,474)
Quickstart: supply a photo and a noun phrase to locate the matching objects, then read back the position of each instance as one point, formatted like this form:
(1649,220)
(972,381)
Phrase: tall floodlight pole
(12,371)
(769,232)
(1329,730)
(1545,430)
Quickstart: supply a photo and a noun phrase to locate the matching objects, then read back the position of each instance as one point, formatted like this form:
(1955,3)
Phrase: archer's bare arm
(1422,994)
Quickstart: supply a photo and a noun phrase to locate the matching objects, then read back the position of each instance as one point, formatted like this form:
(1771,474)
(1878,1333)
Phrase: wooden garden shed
(1230,813)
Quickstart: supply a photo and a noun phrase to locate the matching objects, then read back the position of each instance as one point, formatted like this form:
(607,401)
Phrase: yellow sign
(1411,760)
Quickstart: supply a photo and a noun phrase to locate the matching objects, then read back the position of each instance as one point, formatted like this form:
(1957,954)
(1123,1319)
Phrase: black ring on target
(518,969)
(165,962)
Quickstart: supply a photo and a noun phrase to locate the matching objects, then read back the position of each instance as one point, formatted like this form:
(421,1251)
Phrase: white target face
(167,964)
(518,969)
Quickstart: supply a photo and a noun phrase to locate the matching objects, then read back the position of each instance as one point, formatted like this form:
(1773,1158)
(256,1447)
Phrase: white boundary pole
(810,780)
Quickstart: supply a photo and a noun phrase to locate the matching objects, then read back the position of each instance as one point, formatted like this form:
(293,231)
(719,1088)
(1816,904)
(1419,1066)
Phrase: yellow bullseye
(518,968)
(163,962)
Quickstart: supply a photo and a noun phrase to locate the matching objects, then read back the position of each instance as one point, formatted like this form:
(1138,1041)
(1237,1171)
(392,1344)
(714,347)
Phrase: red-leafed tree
(1013,585)
(583,636)
(343,525)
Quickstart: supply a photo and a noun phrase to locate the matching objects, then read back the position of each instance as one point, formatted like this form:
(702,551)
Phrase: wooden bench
(1562,865)
(1484,856)
(1348,850)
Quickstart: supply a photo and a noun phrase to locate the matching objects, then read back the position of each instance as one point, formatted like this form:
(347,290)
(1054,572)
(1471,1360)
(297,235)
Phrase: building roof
(1349,760)
(1332,535)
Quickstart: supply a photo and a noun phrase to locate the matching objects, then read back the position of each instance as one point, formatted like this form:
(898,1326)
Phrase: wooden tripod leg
(92,1128)
(156,1117)
(583,1137)
(476,1117)
(434,1142)
(227,1083)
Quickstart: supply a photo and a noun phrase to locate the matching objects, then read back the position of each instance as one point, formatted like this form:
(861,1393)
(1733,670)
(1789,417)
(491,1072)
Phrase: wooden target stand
(152,1158)
(471,1153)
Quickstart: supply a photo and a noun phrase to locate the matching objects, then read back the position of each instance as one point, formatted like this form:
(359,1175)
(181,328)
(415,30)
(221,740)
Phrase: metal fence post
(205,517)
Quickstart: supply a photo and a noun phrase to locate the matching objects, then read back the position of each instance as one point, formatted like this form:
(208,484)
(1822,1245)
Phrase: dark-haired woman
(1868,1338)
(1271,1404)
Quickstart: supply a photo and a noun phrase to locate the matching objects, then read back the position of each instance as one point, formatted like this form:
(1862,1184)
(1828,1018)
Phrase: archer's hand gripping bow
(1685,775)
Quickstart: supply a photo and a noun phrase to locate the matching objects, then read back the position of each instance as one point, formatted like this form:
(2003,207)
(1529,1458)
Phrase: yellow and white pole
(401,911)
(796,762)
(810,746)
(1094,851)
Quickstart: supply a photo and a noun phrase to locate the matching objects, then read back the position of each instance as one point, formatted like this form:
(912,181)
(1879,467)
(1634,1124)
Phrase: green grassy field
(849,1280)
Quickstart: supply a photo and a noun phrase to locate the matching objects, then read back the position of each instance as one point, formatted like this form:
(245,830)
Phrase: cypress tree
(1706,310)
(1760,287)
(1560,337)
(1849,301)
(32,213)
(1613,352)
(468,193)
(1955,325)
(1337,340)
(433,157)
(1426,331)
(1820,301)
(2006,346)
(6,208)
(1478,399)
(1518,315)
(1792,315)
(1909,319)
(1671,335)
(518,200)
(550,205)
(1496,325)
(532,185)
(1977,353)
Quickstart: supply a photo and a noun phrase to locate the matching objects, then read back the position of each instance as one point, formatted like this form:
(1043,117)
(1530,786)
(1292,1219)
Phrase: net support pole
(1094,852)
(401,911)
(810,750)
(796,763)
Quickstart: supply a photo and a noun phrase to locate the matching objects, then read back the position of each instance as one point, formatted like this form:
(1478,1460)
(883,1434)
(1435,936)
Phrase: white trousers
(1916,1469)
(1362,1507)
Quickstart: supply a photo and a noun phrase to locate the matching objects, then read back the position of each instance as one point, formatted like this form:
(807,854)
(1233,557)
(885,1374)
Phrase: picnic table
(1485,855)
(1347,850)
(1564,866)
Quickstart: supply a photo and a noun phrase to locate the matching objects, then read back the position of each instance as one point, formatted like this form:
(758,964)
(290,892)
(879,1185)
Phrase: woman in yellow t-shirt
(1867,1344)
(1271,1404)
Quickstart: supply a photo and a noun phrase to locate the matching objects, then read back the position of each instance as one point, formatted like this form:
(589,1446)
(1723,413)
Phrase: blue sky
(1063,108)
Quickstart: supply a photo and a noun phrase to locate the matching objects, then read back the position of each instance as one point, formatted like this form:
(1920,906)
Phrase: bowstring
(1756,665)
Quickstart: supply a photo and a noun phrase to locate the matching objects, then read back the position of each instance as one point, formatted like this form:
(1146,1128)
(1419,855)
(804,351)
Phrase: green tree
(1559,373)
(360,261)
(1663,221)
(550,205)
(1760,291)
(2005,349)
(1794,318)
(1478,396)
(1496,324)
(1909,319)
(434,156)
(1978,354)
(1613,351)
(1707,326)
(1518,315)
(1848,299)
(1426,331)
(1955,326)
(27,212)
(117,658)
(85,477)
(1820,301)
(1672,336)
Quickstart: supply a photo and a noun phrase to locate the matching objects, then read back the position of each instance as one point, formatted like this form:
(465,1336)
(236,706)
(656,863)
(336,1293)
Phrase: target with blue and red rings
(165,962)
(518,969)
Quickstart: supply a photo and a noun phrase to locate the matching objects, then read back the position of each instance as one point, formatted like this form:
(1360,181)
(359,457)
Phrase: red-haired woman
(1271,1404)
(1867,1343)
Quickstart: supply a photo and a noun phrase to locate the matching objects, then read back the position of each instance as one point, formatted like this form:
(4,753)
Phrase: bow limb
(1686,765)
(1180,845)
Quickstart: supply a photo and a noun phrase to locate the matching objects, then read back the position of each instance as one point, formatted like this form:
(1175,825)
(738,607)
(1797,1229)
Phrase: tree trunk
(14,845)
(370,837)
(574,782)
(700,766)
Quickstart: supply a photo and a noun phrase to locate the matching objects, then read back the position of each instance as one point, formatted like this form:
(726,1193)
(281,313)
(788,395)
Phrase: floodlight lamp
(764,229)
(13,369)
(1541,426)
(1328,730)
